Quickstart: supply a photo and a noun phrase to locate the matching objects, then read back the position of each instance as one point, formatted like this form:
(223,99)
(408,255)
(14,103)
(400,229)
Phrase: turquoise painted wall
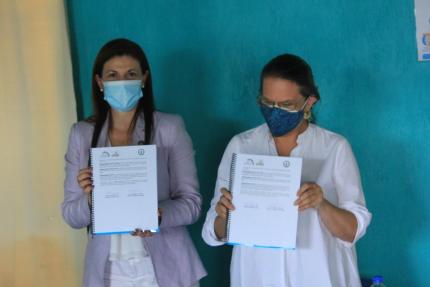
(206,57)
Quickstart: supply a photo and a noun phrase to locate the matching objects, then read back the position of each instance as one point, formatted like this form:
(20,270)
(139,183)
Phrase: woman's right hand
(85,181)
(222,207)
(224,204)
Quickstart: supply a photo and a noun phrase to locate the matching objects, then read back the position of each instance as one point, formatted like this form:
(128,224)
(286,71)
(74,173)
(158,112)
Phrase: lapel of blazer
(138,135)
(103,137)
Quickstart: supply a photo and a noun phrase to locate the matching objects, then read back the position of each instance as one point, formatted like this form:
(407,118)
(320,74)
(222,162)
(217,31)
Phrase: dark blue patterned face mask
(280,121)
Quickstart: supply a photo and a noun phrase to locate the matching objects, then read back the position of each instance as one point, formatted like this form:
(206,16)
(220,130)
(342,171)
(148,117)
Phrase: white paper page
(422,18)
(125,189)
(264,190)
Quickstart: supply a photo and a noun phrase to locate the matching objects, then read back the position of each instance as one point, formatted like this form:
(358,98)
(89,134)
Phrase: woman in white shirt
(332,210)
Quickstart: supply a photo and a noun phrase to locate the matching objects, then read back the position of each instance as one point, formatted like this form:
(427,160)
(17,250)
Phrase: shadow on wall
(387,166)
(359,102)
(75,61)
(397,212)
(190,90)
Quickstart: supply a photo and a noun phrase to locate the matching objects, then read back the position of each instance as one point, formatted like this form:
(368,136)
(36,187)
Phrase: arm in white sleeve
(223,179)
(346,177)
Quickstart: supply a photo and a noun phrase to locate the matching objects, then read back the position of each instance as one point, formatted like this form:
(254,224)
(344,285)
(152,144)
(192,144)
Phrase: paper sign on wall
(422,18)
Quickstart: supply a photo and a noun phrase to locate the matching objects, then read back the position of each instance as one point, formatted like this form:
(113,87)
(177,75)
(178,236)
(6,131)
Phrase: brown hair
(114,48)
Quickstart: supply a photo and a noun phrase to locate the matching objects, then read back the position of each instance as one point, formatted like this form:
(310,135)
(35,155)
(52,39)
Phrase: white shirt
(320,259)
(129,263)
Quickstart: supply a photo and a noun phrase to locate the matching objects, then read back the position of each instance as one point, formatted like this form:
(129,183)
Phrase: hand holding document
(264,190)
(125,189)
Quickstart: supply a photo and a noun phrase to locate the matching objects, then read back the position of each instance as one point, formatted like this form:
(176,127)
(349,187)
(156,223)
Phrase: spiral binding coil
(230,187)
(92,225)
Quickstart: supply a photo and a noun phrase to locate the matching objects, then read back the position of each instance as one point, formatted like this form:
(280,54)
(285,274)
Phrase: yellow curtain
(36,111)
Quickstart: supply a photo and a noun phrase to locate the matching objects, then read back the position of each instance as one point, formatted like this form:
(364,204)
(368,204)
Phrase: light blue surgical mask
(122,95)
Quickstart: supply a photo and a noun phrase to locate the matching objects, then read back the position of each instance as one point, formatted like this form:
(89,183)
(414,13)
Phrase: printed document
(125,189)
(422,20)
(264,189)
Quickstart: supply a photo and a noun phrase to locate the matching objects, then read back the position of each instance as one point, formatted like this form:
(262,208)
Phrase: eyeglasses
(285,105)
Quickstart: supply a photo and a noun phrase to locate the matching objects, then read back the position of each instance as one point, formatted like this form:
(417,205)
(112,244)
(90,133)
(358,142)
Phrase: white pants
(115,283)
(131,273)
(137,272)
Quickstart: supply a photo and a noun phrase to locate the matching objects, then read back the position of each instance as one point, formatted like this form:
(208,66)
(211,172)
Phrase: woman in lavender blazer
(124,114)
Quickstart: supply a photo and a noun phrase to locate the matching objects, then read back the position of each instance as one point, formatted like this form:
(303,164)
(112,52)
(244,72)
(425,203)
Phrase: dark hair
(292,68)
(114,48)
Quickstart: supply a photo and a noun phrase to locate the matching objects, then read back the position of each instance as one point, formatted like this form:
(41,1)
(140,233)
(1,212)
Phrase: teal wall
(206,57)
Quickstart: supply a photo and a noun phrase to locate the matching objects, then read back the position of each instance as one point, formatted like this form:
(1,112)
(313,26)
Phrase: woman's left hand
(142,233)
(309,195)
(340,222)
(147,233)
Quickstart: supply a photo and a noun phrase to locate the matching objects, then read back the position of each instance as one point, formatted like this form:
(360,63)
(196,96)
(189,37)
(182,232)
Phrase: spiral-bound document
(125,189)
(264,189)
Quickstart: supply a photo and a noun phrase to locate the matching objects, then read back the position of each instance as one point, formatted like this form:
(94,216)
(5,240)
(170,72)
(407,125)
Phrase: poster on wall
(422,18)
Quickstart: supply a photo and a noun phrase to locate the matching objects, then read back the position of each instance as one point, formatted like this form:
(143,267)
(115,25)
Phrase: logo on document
(141,151)
(286,163)
(105,154)
(260,162)
(426,39)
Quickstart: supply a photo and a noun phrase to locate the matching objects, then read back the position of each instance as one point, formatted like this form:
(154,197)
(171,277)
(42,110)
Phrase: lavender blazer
(175,259)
